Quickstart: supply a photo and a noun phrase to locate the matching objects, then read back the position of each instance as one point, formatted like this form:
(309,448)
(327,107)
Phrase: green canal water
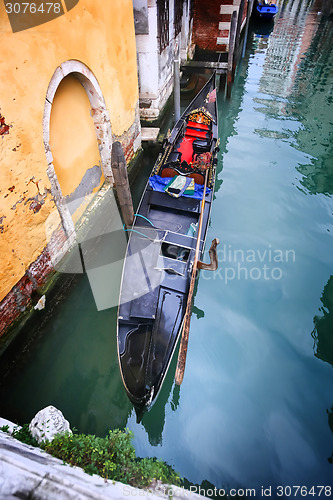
(256,405)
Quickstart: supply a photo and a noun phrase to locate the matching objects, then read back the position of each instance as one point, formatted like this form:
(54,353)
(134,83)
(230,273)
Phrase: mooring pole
(119,170)
(248,16)
(176,84)
(232,38)
(238,31)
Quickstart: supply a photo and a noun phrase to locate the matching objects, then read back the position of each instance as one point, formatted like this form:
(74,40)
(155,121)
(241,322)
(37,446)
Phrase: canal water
(256,405)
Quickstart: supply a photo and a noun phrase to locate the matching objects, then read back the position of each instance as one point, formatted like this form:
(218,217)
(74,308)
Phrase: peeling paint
(15,204)
(37,201)
(35,206)
(90,181)
(4,128)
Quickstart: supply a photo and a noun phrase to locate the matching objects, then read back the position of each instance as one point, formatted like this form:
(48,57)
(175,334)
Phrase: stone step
(149,133)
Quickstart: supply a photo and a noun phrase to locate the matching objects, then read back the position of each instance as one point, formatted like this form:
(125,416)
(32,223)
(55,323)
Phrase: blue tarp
(158,183)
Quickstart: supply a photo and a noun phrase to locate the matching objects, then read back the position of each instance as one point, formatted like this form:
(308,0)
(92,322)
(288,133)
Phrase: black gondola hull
(161,249)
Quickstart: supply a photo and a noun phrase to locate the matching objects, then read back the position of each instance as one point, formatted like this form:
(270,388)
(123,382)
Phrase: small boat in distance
(265,10)
(161,249)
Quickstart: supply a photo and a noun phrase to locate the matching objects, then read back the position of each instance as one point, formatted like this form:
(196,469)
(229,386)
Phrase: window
(163,23)
(178,10)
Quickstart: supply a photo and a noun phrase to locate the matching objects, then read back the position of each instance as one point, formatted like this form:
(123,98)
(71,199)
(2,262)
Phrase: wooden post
(238,31)
(222,82)
(119,170)
(248,17)
(176,89)
(232,37)
(179,375)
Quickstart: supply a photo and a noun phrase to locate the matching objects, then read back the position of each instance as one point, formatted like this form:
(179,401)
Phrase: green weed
(112,457)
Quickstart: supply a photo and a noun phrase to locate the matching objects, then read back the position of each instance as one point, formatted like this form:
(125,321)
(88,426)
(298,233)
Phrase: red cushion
(186,149)
(202,126)
(200,134)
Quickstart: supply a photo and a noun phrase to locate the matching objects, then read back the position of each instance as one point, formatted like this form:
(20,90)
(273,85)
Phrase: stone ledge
(149,133)
(28,472)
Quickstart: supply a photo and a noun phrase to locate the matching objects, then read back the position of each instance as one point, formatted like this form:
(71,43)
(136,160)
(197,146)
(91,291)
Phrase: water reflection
(198,312)
(154,420)
(323,336)
(323,330)
(175,397)
(71,364)
(330,423)
(314,81)
(298,63)
(262,30)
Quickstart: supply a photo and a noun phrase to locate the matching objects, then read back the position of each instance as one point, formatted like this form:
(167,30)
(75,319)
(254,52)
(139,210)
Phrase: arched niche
(101,119)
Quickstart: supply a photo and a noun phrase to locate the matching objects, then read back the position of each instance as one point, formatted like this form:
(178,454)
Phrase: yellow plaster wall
(98,33)
(72,135)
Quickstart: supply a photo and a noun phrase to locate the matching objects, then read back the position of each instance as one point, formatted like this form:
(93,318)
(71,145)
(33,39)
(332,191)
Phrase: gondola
(161,248)
(265,11)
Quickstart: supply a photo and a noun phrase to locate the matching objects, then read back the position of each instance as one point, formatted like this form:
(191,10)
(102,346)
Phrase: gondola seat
(201,145)
(184,169)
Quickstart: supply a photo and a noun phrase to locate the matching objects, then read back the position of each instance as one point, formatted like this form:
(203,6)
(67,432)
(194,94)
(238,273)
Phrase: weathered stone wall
(155,66)
(100,36)
(131,138)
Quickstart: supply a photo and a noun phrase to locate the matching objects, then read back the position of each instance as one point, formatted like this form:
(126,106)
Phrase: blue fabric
(159,183)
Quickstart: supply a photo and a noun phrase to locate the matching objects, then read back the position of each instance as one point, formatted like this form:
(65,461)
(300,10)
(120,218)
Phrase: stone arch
(101,119)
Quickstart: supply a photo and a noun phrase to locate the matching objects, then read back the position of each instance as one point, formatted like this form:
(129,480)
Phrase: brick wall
(206,17)
(26,292)
(211,24)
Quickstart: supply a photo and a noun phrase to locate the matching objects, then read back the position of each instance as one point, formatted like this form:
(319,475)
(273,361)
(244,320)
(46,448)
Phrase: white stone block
(224,25)
(137,143)
(228,9)
(47,423)
(40,304)
(222,40)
